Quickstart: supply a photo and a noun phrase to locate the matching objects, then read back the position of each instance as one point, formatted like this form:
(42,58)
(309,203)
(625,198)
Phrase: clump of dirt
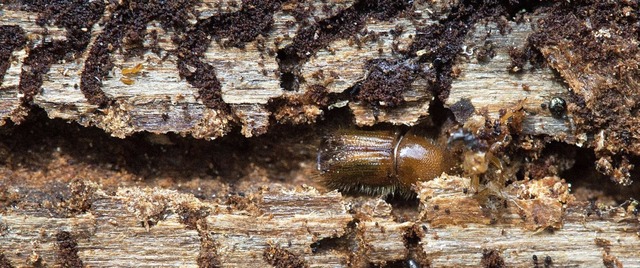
(67,253)
(462,110)
(491,259)
(11,38)
(281,258)
(386,82)
(208,256)
(594,46)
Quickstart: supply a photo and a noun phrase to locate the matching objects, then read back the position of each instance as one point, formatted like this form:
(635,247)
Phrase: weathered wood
(158,100)
(292,225)
(150,227)
(490,85)
(537,218)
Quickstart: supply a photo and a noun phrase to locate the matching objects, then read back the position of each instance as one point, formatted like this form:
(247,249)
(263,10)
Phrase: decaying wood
(537,218)
(154,227)
(533,223)
(158,100)
(490,85)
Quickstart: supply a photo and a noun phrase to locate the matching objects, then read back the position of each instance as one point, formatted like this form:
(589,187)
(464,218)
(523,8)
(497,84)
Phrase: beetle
(557,106)
(380,162)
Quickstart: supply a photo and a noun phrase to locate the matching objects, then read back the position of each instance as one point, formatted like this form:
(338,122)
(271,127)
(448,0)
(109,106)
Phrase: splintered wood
(532,218)
(203,69)
(490,86)
(145,227)
(157,99)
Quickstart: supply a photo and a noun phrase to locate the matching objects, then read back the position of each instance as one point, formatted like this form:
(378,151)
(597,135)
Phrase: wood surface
(160,101)
(157,227)
(489,85)
(534,223)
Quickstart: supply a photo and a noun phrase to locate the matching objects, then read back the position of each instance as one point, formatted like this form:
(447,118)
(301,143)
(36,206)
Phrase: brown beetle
(380,162)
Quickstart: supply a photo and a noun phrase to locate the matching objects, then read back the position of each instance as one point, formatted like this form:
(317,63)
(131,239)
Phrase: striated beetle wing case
(351,159)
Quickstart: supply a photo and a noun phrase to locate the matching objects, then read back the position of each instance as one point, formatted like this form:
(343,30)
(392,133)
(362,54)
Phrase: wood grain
(158,100)
(491,86)
(291,225)
(146,227)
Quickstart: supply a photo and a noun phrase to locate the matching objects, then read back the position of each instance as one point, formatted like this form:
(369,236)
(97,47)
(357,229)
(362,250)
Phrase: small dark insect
(380,162)
(557,106)
(548,261)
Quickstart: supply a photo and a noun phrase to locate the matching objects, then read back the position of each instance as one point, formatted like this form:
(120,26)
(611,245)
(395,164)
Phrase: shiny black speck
(557,107)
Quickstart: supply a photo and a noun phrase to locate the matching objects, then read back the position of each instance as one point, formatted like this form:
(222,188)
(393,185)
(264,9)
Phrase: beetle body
(379,162)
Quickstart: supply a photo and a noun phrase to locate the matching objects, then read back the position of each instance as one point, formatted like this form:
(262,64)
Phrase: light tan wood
(146,227)
(539,219)
(489,85)
(159,101)
(137,226)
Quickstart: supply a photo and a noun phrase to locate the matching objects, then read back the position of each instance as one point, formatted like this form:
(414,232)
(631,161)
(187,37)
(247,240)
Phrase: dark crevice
(440,115)
(343,243)
(235,156)
(11,38)
(584,175)
(409,202)
(416,257)
(289,81)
